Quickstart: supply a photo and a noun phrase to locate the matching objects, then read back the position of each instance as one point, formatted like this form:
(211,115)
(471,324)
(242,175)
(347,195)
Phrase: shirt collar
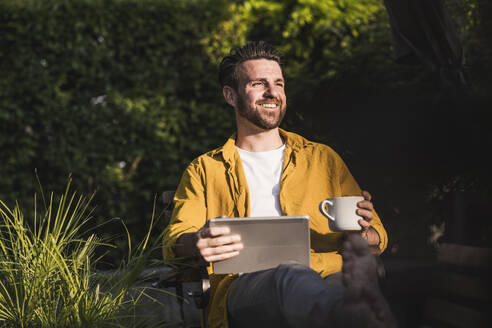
(293,142)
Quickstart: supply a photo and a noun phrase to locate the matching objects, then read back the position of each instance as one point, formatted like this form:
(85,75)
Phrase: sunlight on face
(261,95)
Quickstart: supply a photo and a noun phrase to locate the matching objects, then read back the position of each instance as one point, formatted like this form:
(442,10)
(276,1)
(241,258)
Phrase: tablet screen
(268,242)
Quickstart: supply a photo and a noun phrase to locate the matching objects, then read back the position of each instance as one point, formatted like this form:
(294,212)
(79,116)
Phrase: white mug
(342,213)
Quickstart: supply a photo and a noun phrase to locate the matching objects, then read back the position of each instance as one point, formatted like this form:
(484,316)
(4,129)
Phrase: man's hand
(217,244)
(365,208)
(209,244)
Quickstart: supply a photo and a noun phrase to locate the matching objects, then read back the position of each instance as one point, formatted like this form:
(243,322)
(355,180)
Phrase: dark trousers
(287,296)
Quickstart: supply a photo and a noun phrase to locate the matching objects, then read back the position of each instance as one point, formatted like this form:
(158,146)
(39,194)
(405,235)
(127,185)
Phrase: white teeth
(269,105)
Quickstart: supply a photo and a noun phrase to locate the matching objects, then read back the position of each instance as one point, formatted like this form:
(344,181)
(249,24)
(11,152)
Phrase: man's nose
(272,91)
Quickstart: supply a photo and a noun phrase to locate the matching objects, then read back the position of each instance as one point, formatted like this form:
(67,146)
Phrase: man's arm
(372,228)
(186,245)
(183,236)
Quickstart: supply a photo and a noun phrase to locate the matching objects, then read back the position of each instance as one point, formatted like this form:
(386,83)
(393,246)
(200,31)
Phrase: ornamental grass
(47,268)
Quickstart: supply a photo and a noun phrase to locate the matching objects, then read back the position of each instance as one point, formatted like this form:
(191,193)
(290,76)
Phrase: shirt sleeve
(350,187)
(189,213)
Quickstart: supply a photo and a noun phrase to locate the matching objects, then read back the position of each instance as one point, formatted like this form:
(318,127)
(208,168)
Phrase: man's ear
(229,95)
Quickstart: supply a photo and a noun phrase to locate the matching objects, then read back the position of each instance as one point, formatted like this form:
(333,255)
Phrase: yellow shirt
(214,185)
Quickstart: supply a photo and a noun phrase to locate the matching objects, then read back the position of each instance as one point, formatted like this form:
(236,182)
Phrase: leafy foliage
(113,92)
(47,269)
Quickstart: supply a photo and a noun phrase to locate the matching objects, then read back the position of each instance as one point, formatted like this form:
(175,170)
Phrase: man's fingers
(218,231)
(214,254)
(217,244)
(220,257)
(365,204)
(211,232)
(365,208)
(366,214)
(364,224)
(224,240)
(218,241)
(221,249)
(366,195)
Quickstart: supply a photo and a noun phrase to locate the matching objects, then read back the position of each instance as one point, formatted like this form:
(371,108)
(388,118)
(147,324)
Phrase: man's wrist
(186,246)
(373,238)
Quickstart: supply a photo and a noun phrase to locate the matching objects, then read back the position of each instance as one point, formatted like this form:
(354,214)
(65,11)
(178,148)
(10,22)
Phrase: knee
(292,267)
(293,271)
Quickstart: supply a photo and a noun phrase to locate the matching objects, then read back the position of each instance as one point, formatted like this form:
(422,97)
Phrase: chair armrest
(178,276)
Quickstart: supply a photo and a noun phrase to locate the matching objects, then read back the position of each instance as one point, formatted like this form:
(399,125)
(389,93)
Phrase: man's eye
(255,84)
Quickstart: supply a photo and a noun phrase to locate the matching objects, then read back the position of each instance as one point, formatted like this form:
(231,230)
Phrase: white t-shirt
(263,171)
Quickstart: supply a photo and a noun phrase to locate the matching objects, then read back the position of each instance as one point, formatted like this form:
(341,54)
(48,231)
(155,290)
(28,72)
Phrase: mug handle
(322,208)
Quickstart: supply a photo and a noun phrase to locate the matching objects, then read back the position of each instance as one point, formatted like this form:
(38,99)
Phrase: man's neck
(256,141)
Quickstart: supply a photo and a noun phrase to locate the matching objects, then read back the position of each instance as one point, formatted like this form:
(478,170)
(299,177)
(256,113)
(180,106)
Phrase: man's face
(261,97)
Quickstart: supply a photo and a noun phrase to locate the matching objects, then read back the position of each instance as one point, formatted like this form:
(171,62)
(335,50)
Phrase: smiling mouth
(269,105)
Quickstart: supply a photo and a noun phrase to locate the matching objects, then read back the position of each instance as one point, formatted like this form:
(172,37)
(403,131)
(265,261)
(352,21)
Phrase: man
(263,170)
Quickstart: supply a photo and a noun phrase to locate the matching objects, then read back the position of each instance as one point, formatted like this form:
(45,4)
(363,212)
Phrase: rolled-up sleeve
(189,212)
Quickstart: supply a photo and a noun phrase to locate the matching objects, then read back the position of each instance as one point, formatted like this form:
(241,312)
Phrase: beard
(266,120)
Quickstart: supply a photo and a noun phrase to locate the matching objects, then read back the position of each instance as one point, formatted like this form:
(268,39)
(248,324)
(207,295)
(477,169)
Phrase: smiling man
(263,170)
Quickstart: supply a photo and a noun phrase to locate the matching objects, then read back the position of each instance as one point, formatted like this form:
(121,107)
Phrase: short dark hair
(252,50)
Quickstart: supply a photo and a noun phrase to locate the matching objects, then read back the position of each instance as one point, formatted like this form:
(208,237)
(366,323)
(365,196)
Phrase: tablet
(268,242)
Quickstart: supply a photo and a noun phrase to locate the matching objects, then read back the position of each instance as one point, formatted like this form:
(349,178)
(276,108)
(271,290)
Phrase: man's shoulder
(211,157)
(303,144)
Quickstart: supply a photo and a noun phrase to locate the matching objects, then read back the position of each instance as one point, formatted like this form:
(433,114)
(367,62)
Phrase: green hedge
(114,92)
